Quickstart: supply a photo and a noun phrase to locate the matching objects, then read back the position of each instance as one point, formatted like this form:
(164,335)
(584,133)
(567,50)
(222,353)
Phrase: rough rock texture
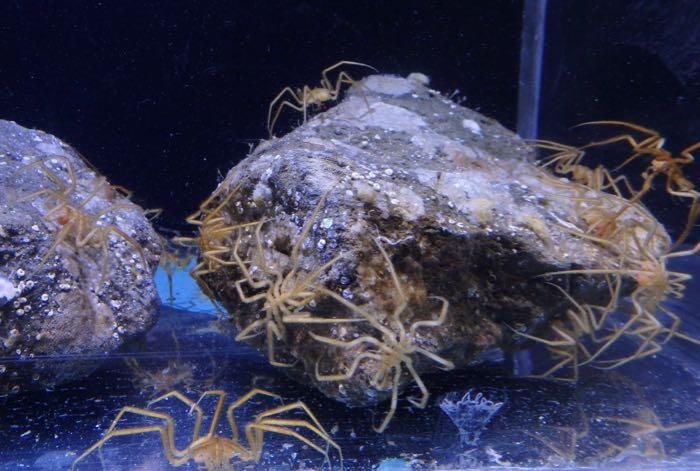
(452,197)
(62,306)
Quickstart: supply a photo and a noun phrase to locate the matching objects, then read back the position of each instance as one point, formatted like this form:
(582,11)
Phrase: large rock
(76,262)
(453,199)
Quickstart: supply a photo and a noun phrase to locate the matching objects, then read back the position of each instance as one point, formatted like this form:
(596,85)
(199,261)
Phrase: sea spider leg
(567,347)
(403,301)
(639,313)
(425,395)
(565,158)
(254,435)
(351,371)
(446,364)
(394,401)
(692,214)
(203,214)
(63,190)
(612,182)
(432,323)
(315,427)
(654,140)
(356,361)
(324,74)
(585,320)
(274,331)
(294,256)
(297,96)
(343,77)
(353,307)
(239,402)
(305,317)
(189,402)
(174,456)
(687,153)
(217,411)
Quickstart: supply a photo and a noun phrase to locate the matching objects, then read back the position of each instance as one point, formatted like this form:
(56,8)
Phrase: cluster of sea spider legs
(611,215)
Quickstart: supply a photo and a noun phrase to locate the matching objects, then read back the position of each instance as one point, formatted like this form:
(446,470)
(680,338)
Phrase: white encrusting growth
(8,290)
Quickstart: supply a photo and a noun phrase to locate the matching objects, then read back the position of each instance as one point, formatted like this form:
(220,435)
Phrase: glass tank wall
(165,97)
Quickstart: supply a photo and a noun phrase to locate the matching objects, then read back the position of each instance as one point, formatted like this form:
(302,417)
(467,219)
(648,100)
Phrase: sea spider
(160,380)
(214,230)
(283,292)
(654,285)
(395,349)
(582,321)
(644,430)
(214,452)
(662,163)
(302,98)
(567,160)
(77,227)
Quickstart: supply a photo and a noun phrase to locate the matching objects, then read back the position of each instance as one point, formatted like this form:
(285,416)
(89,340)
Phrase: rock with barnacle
(293,242)
(76,262)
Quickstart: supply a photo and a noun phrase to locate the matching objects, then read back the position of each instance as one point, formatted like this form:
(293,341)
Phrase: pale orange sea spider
(395,349)
(654,285)
(577,323)
(662,163)
(163,379)
(213,235)
(284,291)
(568,159)
(302,98)
(214,452)
(78,227)
(644,430)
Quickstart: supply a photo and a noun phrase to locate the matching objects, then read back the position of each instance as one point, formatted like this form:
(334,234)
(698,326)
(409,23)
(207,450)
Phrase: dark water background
(164,96)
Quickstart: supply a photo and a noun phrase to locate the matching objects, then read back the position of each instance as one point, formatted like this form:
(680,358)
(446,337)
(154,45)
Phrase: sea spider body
(662,162)
(214,452)
(301,98)
(283,291)
(393,352)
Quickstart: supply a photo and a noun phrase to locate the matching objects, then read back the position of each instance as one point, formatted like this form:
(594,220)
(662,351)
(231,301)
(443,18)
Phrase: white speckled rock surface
(457,203)
(92,291)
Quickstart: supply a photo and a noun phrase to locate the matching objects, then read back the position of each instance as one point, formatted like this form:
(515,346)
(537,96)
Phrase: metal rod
(529,83)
